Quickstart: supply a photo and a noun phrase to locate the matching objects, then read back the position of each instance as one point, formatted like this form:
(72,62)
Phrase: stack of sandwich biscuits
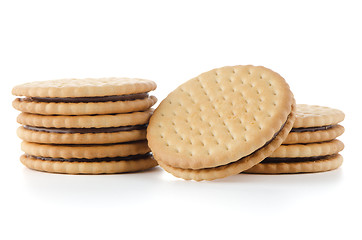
(85,126)
(311,146)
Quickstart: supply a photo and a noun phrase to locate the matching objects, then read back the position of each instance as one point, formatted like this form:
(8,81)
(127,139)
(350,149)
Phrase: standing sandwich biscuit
(222,122)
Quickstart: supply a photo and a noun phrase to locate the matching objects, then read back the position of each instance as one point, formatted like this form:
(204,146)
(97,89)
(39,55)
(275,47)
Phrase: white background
(314,45)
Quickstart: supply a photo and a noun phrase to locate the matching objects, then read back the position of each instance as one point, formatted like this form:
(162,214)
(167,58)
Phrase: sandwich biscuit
(222,122)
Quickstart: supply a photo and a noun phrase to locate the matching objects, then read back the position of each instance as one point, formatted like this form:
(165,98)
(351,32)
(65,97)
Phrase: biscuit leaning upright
(85,126)
(222,122)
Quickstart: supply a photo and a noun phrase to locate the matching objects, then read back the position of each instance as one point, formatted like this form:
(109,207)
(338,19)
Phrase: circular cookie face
(313,116)
(88,87)
(219,117)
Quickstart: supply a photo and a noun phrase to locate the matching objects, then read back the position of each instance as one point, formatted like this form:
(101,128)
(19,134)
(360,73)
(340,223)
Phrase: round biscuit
(88,167)
(88,87)
(94,121)
(315,116)
(219,117)
(80,138)
(308,150)
(52,108)
(85,151)
(322,165)
(313,137)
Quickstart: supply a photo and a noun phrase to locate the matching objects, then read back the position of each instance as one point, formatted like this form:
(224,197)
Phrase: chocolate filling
(107,159)
(293,160)
(87,130)
(311,129)
(114,98)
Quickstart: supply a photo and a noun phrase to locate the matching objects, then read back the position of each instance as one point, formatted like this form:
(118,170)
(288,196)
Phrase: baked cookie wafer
(312,135)
(84,108)
(222,122)
(102,166)
(88,87)
(96,129)
(92,121)
(84,96)
(88,159)
(315,124)
(308,149)
(85,151)
(82,135)
(314,115)
(303,165)
(299,158)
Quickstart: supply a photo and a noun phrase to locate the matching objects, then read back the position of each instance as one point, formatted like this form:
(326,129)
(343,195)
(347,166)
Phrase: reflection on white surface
(157,186)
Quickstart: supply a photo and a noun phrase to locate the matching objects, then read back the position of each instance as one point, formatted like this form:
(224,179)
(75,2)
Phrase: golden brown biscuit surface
(85,121)
(85,151)
(314,115)
(84,108)
(326,164)
(88,167)
(308,150)
(80,138)
(87,87)
(234,167)
(315,136)
(219,117)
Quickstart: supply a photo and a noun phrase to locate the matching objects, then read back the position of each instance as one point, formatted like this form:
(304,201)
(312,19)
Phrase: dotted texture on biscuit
(219,117)
(315,116)
(88,87)
(234,167)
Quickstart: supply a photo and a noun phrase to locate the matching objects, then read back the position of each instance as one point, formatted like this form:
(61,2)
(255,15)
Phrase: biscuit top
(88,87)
(219,117)
(315,116)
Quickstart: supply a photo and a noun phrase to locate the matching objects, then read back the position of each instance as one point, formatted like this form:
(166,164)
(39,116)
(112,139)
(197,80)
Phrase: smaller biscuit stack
(311,146)
(85,126)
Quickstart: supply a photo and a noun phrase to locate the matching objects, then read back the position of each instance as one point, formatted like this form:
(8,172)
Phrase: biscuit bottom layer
(87,130)
(323,164)
(107,159)
(297,159)
(312,129)
(114,98)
